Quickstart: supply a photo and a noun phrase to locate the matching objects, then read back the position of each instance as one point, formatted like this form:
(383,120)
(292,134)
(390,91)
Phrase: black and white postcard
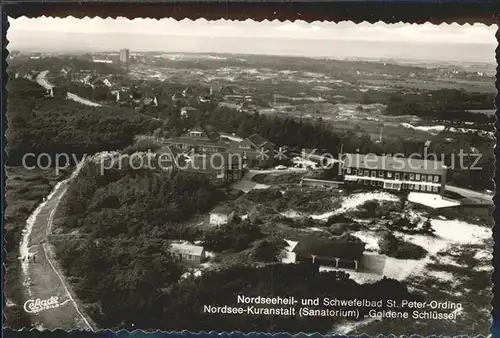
(249,176)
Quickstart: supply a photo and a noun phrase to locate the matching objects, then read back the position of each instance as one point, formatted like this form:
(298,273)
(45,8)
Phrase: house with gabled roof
(163,99)
(189,91)
(200,139)
(219,168)
(255,149)
(188,111)
(227,90)
(220,215)
(171,158)
(260,142)
(123,95)
(107,83)
(204,98)
(65,71)
(58,92)
(178,99)
(188,253)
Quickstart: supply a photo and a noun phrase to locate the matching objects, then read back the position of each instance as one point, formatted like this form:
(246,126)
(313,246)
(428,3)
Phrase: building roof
(401,164)
(234,96)
(171,156)
(147,100)
(211,163)
(193,141)
(259,141)
(208,131)
(225,90)
(186,249)
(211,132)
(329,248)
(222,209)
(59,89)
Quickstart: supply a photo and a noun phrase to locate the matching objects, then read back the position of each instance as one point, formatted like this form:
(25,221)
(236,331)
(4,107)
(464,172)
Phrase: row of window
(389,174)
(199,148)
(208,149)
(190,257)
(187,257)
(404,186)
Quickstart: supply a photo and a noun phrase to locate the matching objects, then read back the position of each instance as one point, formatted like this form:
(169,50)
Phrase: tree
(388,243)
(267,251)
(427,226)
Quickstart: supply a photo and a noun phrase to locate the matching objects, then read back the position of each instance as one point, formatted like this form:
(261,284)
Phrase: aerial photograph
(249,176)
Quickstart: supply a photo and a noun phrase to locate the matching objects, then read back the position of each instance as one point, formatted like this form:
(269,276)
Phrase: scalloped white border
(184,332)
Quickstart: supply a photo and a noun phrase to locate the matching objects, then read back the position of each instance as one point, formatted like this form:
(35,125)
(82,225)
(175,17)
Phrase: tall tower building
(124,55)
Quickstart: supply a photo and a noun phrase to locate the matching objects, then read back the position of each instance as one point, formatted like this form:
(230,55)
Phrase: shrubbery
(391,246)
(142,145)
(268,250)
(232,237)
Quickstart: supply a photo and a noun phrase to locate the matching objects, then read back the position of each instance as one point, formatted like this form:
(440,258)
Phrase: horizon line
(324,57)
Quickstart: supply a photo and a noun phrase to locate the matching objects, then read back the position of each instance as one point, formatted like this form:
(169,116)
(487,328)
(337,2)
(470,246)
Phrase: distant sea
(83,42)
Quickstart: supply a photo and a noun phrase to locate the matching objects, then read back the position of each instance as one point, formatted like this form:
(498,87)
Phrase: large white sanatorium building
(395,173)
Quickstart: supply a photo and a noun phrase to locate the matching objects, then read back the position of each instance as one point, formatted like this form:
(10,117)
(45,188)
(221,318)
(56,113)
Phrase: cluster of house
(204,150)
(386,172)
(30,75)
(147,96)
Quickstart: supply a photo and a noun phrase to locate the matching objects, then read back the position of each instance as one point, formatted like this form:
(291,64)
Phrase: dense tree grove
(232,237)
(443,105)
(124,219)
(98,93)
(42,125)
(100,203)
(122,280)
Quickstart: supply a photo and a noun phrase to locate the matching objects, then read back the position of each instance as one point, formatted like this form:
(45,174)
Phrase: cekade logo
(38,305)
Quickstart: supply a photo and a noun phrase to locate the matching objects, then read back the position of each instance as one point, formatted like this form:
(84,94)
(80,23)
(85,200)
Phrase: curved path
(42,81)
(43,277)
(483,196)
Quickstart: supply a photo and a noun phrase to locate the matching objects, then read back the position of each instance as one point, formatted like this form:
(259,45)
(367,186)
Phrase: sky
(474,43)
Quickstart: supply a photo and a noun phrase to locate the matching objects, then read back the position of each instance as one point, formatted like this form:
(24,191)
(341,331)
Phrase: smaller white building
(188,253)
(221,215)
(107,83)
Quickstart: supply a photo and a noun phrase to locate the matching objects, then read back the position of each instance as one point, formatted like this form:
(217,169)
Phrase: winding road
(43,278)
(41,79)
(482,196)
